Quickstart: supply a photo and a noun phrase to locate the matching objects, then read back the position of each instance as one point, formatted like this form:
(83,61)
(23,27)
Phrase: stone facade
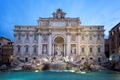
(59,36)
(6,50)
(114,41)
(7,53)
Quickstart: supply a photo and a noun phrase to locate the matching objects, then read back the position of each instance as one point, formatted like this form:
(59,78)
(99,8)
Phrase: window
(113,52)
(27,49)
(98,37)
(18,48)
(35,36)
(82,37)
(27,36)
(119,43)
(26,59)
(19,36)
(112,39)
(82,49)
(91,50)
(112,33)
(119,28)
(99,50)
(99,59)
(34,58)
(98,28)
(35,49)
(90,27)
(18,58)
(90,38)
(119,35)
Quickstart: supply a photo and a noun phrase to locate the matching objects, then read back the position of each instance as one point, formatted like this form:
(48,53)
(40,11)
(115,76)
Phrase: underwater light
(82,72)
(72,70)
(36,70)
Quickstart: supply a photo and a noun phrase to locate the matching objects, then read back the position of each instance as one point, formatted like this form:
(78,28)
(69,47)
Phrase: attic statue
(59,14)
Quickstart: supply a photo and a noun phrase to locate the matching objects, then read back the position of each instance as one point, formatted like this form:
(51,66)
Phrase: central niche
(59,46)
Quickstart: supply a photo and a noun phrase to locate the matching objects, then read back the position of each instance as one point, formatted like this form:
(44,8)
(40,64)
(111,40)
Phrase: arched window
(26,49)
(99,59)
(19,48)
(82,49)
(35,49)
(99,50)
(91,50)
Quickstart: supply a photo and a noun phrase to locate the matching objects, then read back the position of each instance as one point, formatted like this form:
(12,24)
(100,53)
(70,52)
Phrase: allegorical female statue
(58,50)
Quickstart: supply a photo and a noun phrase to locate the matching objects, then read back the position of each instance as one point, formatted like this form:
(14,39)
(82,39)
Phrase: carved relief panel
(45,38)
(58,23)
(73,38)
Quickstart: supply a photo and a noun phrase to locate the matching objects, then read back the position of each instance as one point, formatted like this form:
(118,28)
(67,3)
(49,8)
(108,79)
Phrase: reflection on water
(47,75)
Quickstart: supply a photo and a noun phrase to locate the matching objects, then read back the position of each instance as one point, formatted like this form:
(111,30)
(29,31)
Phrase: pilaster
(50,44)
(78,44)
(68,45)
(39,43)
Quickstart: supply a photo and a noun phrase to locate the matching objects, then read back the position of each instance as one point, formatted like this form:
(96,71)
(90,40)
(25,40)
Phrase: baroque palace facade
(59,36)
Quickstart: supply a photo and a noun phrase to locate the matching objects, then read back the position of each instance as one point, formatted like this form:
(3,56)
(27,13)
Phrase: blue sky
(27,12)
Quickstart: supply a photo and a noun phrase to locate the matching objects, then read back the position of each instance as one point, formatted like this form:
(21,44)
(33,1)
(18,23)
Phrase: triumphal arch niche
(59,46)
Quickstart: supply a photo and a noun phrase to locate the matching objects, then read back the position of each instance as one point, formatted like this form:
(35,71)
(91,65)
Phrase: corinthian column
(50,44)
(68,45)
(52,50)
(78,43)
(39,43)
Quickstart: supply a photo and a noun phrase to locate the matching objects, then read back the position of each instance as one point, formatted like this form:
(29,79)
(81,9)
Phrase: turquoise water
(47,75)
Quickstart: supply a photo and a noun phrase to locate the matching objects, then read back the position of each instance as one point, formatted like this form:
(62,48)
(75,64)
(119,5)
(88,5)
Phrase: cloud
(26,12)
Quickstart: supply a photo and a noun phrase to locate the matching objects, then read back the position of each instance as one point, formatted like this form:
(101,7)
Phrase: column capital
(53,44)
(78,33)
(68,33)
(39,33)
(65,43)
(49,33)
